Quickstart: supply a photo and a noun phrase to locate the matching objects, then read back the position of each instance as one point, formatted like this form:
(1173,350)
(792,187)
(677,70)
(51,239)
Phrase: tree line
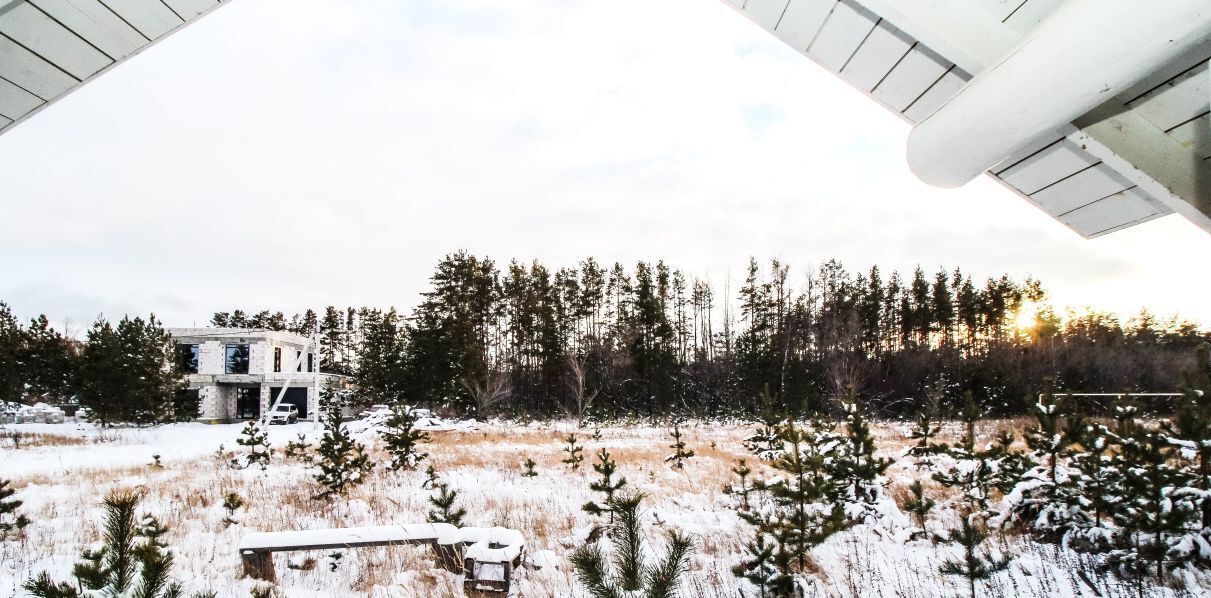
(650,340)
(613,341)
(123,372)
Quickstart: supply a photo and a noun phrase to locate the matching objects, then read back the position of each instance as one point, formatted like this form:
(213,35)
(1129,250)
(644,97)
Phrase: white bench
(486,557)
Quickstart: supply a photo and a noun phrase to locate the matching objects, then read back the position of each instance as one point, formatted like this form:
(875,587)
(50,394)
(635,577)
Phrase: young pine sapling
(975,564)
(341,462)
(575,458)
(11,522)
(607,485)
(257,441)
(628,574)
(680,453)
(402,439)
(528,469)
(919,505)
(743,488)
(445,509)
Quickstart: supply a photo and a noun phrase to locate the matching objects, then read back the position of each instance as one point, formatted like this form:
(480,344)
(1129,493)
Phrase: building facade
(239,373)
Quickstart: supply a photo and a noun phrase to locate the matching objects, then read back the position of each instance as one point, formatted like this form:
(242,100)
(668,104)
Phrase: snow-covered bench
(485,556)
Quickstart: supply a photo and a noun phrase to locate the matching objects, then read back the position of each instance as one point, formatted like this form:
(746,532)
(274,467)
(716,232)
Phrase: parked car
(285,413)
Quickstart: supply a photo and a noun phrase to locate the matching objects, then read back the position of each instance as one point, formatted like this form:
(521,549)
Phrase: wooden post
(258,565)
(449,557)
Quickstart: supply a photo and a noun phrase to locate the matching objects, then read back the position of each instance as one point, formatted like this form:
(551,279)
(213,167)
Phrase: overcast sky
(285,154)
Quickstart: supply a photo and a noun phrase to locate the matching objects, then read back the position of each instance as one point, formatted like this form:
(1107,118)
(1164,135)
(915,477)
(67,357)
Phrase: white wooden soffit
(1155,172)
(1139,150)
(50,48)
(1075,60)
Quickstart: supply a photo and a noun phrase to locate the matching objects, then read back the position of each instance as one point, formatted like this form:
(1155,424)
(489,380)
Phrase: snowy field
(63,471)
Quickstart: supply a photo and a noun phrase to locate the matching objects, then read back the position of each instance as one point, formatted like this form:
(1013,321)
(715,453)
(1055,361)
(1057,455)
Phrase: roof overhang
(1096,111)
(49,48)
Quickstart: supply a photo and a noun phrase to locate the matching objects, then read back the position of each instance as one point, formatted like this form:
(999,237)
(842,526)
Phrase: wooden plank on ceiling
(30,27)
(35,75)
(1122,209)
(937,96)
(911,78)
(1177,100)
(841,35)
(1056,162)
(765,13)
(1080,189)
(802,21)
(99,25)
(883,48)
(998,9)
(16,102)
(1195,134)
(151,17)
(4,122)
(189,9)
(1028,16)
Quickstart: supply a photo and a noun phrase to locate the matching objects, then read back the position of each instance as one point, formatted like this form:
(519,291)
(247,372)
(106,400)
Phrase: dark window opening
(247,403)
(237,359)
(277,359)
(187,358)
(298,361)
(311,362)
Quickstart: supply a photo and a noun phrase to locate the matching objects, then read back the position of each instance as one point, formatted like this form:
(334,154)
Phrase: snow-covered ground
(63,471)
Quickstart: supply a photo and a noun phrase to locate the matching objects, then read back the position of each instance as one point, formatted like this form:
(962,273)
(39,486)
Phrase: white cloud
(196,176)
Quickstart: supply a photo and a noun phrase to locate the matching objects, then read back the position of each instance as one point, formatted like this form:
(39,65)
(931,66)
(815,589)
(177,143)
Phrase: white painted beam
(1153,160)
(1084,54)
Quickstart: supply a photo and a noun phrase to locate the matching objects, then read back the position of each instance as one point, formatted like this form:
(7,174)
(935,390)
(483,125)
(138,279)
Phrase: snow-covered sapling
(628,572)
(975,471)
(764,443)
(680,453)
(743,488)
(924,433)
(341,462)
(1190,429)
(431,477)
(11,522)
(760,566)
(1155,513)
(297,449)
(1011,464)
(444,508)
(575,458)
(1040,500)
(528,471)
(975,564)
(919,505)
(133,561)
(402,439)
(257,441)
(856,469)
(607,485)
(1094,488)
(232,502)
(805,509)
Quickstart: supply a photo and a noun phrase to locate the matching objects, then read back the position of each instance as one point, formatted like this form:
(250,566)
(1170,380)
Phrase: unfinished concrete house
(238,373)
